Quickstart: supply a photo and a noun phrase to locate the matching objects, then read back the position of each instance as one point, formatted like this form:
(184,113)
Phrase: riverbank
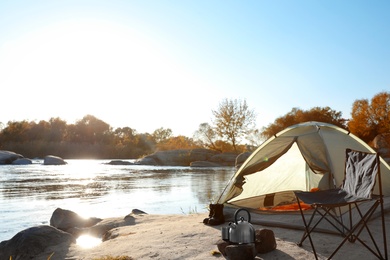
(186,237)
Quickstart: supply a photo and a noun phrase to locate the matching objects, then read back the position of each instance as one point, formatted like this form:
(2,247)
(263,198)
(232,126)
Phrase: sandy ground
(186,237)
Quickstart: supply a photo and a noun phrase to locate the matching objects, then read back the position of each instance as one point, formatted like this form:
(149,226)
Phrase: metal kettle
(241,231)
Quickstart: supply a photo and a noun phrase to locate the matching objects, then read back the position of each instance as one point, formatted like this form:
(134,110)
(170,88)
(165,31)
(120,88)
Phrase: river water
(30,193)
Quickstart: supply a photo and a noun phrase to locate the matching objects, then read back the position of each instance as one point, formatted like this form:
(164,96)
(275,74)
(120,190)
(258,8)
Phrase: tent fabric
(300,157)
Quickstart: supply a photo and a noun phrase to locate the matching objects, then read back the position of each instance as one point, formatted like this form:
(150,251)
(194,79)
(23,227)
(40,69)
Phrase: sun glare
(78,56)
(77,67)
(87,241)
(89,63)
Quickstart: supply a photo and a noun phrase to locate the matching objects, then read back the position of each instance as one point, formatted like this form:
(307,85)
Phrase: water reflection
(60,184)
(29,194)
(208,183)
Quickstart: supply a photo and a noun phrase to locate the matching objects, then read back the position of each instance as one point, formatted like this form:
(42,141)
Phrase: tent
(305,156)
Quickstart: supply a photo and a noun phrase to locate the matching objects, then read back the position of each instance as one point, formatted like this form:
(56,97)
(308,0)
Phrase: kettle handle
(238,211)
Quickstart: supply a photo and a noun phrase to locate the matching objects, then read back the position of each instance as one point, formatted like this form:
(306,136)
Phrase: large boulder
(194,158)
(72,223)
(31,242)
(224,159)
(181,157)
(69,221)
(22,161)
(7,157)
(204,164)
(381,144)
(120,162)
(53,160)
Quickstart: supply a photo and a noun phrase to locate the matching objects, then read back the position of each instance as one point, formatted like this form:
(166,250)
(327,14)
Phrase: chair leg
(311,227)
(307,230)
(383,227)
(352,235)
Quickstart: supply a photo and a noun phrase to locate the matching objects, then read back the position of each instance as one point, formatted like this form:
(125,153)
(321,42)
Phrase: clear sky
(162,63)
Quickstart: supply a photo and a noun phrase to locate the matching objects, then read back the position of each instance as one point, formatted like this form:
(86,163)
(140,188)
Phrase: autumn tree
(38,131)
(15,132)
(58,128)
(89,130)
(370,119)
(177,142)
(254,139)
(162,134)
(233,119)
(296,116)
(206,136)
(125,136)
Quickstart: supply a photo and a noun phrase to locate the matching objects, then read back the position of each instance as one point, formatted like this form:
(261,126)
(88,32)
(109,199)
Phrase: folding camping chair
(361,171)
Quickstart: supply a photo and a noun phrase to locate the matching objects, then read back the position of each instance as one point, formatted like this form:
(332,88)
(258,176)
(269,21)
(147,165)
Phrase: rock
(381,144)
(224,159)
(7,157)
(380,141)
(193,158)
(31,242)
(71,222)
(148,160)
(265,241)
(119,162)
(182,157)
(22,161)
(106,228)
(241,158)
(53,160)
(222,244)
(137,212)
(204,164)
(241,252)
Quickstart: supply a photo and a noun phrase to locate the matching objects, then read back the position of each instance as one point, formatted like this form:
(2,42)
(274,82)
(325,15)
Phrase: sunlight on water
(29,194)
(87,241)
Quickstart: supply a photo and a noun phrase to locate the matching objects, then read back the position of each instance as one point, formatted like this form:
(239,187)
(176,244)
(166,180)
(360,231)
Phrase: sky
(164,63)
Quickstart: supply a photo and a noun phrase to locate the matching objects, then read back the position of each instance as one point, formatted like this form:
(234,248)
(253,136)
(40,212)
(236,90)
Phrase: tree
(176,142)
(89,130)
(162,134)
(58,129)
(15,132)
(38,131)
(296,116)
(255,139)
(233,119)
(125,135)
(370,119)
(206,135)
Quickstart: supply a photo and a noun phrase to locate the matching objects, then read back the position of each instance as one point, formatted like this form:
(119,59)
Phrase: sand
(186,237)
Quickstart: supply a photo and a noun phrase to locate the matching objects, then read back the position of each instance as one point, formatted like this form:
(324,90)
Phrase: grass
(190,211)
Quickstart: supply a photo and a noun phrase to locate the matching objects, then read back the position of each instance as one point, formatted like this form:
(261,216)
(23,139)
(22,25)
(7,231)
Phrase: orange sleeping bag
(291,207)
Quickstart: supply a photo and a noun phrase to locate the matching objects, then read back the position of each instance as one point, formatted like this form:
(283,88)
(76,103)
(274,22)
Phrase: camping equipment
(362,170)
(241,231)
(306,156)
(216,216)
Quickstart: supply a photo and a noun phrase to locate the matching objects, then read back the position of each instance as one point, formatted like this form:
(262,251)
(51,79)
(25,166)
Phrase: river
(92,188)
